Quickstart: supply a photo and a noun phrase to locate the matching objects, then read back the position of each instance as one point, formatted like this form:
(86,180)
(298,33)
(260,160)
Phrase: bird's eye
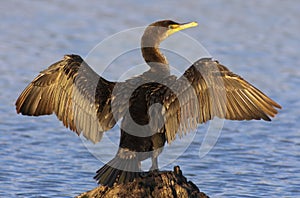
(173,26)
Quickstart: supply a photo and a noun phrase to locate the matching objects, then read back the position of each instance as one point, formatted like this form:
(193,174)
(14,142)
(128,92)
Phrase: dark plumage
(155,106)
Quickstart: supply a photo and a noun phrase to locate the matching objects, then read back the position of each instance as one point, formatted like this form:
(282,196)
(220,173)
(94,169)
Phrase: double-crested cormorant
(155,106)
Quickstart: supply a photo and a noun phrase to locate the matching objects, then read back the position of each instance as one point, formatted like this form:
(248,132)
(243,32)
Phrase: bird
(154,107)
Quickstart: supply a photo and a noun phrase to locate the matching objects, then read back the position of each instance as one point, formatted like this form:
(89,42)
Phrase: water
(257,39)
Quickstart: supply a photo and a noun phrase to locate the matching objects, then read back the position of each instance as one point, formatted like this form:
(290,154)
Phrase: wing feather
(78,96)
(207,90)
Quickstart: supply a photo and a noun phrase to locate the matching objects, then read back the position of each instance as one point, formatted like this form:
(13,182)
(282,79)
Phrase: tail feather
(118,171)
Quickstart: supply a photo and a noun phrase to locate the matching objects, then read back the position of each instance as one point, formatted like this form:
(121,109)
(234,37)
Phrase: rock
(151,184)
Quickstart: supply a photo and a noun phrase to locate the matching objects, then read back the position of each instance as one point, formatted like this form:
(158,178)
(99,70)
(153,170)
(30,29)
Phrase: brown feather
(69,89)
(220,93)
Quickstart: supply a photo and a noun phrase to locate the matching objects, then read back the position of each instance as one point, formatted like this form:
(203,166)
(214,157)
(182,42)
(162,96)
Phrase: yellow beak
(177,27)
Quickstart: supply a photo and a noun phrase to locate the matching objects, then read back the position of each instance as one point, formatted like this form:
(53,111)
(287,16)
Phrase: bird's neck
(156,60)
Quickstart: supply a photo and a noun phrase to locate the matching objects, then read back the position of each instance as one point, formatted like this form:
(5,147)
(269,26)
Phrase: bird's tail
(118,171)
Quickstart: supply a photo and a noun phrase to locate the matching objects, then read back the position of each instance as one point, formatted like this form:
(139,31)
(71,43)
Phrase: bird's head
(156,32)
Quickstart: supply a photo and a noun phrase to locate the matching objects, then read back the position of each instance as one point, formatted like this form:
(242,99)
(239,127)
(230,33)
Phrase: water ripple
(40,158)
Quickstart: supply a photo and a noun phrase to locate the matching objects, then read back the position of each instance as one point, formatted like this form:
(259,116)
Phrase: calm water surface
(257,39)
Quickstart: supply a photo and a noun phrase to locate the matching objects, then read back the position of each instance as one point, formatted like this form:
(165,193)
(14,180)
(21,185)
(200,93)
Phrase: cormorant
(155,106)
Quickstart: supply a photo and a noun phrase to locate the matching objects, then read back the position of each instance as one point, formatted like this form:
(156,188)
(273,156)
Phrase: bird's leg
(154,166)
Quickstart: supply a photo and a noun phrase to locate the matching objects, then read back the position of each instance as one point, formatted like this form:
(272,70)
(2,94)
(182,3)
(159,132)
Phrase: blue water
(257,39)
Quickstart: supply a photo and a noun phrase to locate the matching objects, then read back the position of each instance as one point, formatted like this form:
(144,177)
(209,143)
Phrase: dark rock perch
(154,184)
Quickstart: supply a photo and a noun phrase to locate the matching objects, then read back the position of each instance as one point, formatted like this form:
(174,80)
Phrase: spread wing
(78,96)
(207,90)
